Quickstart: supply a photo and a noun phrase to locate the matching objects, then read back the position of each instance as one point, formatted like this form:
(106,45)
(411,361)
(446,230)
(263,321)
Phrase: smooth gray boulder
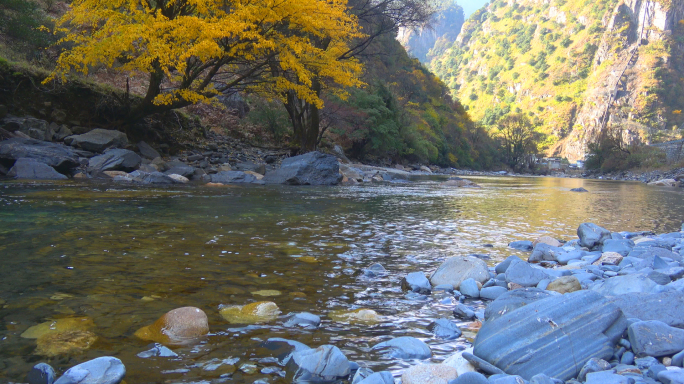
(469,288)
(456,269)
(233,177)
(416,282)
(536,338)
(41,373)
(282,349)
(640,252)
(522,273)
(445,329)
(179,168)
(623,247)
(303,319)
(98,140)
(313,168)
(545,252)
(147,151)
(470,378)
(521,245)
(502,266)
(34,170)
(114,160)
(58,156)
(103,370)
(513,300)
(464,312)
(620,285)
(675,376)
(655,338)
(323,364)
(566,257)
(591,235)
(151,178)
(384,377)
(405,347)
(492,293)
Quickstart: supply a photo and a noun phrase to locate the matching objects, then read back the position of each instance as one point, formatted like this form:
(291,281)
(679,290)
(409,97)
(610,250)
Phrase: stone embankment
(604,308)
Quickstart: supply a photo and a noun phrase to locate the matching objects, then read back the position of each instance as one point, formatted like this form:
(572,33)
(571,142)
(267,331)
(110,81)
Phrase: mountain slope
(562,61)
(444,28)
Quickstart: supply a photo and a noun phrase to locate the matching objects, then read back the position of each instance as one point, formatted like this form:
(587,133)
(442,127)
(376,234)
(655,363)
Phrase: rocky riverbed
(606,307)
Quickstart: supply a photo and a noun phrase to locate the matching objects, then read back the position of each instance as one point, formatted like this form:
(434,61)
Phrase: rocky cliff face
(638,59)
(443,29)
(576,67)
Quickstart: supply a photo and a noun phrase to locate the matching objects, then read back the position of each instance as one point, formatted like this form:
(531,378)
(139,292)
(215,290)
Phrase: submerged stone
(178,326)
(68,324)
(64,343)
(405,347)
(361,315)
(254,313)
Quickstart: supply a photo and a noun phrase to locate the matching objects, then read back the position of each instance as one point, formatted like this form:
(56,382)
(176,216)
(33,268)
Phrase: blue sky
(470,6)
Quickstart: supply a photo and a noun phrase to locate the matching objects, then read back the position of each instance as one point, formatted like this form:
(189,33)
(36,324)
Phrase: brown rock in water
(58,326)
(64,343)
(178,326)
(565,284)
(547,240)
(254,313)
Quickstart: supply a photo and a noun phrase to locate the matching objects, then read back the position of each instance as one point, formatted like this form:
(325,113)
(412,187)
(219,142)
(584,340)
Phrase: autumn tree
(377,18)
(518,138)
(193,50)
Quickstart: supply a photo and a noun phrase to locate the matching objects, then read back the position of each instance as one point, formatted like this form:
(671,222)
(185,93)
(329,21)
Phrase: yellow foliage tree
(196,49)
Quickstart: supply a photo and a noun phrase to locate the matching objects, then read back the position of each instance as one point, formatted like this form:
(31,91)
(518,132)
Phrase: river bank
(70,153)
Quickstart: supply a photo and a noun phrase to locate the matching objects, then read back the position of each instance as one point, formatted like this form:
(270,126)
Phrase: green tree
(518,138)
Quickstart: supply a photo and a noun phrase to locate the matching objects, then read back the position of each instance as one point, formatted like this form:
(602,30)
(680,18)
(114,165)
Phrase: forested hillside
(371,97)
(574,67)
(406,112)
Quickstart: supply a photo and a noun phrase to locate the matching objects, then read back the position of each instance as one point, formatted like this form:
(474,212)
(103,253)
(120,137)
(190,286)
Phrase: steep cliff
(576,67)
(443,29)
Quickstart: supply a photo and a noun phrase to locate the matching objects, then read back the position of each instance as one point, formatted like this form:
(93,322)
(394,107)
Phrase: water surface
(123,256)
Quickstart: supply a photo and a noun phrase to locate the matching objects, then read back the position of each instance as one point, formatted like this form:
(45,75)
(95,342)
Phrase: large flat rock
(555,336)
(98,140)
(34,170)
(58,156)
(313,168)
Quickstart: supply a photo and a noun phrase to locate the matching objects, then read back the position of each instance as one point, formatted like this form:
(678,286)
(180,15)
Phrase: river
(123,256)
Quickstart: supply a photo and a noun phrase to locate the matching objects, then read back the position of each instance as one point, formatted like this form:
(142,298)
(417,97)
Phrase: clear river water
(122,256)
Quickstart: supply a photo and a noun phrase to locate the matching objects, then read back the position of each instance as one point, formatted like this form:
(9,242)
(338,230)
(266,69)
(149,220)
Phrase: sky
(470,6)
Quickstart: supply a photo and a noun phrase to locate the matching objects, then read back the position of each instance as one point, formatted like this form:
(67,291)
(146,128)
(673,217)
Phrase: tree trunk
(305,119)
